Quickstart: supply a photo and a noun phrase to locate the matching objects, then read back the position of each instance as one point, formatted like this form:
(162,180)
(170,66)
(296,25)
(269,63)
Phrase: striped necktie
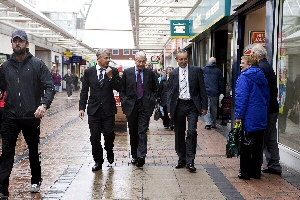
(101,77)
(183,85)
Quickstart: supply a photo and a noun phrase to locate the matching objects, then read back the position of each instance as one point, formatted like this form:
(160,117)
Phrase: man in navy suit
(100,80)
(187,99)
(138,99)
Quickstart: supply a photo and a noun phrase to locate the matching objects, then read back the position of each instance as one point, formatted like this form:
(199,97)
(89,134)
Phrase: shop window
(134,52)
(289,74)
(115,51)
(126,52)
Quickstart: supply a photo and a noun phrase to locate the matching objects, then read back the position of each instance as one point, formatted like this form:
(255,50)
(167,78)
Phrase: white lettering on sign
(213,10)
(197,22)
(179,28)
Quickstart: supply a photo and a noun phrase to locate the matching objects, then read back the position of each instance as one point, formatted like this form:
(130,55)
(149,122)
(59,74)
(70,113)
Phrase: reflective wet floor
(67,162)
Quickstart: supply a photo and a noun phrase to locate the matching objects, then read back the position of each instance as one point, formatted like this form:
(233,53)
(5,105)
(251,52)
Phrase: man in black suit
(100,80)
(187,99)
(138,99)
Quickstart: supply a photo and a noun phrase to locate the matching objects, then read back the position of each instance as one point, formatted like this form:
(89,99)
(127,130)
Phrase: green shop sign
(180,28)
(207,14)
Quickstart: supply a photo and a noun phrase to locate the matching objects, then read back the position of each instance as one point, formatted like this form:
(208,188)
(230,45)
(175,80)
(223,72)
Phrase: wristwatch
(44,105)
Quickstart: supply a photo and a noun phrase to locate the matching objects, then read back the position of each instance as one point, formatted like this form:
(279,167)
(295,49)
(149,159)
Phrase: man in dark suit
(101,80)
(138,99)
(187,99)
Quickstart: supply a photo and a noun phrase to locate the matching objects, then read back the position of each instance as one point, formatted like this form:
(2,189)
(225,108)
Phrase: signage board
(68,54)
(155,59)
(180,28)
(257,37)
(76,59)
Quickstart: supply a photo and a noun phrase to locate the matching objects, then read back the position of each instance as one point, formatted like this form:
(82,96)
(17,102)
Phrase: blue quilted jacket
(252,99)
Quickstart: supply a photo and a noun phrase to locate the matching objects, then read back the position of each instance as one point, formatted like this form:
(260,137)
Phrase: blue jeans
(211,116)
(57,88)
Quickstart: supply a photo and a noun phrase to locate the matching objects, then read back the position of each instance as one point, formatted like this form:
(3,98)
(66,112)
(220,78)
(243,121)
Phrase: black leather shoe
(97,166)
(140,162)
(271,171)
(242,177)
(134,161)
(180,165)
(191,167)
(172,128)
(110,158)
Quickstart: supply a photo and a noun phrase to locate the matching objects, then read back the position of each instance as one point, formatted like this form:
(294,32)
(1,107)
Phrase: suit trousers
(186,147)
(101,123)
(211,116)
(69,90)
(251,155)
(138,123)
(166,119)
(10,132)
(271,149)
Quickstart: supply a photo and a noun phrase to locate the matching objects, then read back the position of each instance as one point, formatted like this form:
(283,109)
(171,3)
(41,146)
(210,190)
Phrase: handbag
(157,113)
(234,141)
(294,115)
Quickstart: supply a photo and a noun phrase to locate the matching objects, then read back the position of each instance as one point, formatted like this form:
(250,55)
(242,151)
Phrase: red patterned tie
(140,89)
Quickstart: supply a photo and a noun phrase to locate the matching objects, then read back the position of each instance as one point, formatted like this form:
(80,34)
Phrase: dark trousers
(101,123)
(186,147)
(69,90)
(10,132)
(251,155)
(138,123)
(166,119)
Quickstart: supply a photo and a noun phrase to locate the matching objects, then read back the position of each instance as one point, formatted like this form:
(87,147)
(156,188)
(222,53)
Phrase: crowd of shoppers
(184,93)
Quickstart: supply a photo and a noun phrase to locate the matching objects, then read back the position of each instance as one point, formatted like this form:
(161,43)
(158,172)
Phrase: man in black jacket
(270,138)
(100,80)
(30,90)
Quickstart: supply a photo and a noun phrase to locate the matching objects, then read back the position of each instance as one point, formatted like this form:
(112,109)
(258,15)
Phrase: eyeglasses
(140,61)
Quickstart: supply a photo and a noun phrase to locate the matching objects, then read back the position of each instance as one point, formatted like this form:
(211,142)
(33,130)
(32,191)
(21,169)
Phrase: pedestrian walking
(252,96)
(99,82)
(30,90)
(75,81)
(138,99)
(271,149)
(69,83)
(214,84)
(163,98)
(57,80)
(187,99)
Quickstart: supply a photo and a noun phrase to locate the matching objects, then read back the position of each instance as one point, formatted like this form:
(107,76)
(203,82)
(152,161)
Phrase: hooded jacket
(252,99)
(214,82)
(28,84)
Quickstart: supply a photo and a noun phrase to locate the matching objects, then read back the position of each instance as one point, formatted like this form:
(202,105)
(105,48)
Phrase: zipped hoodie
(252,99)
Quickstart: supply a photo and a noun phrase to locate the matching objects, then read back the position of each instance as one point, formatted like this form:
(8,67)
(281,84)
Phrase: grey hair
(260,50)
(180,51)
(212,59)
(140,54)
(100,52)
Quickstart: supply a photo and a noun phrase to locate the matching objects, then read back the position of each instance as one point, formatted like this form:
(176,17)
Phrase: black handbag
(294,115)
(234,141)
(157,113)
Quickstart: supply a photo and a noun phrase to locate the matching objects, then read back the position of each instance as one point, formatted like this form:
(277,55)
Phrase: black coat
(163,91)
(128,93)
(272,82)
(196,88)
(98,95)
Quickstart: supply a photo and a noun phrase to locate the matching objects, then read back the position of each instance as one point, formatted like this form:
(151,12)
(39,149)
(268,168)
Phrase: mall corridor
(67,162)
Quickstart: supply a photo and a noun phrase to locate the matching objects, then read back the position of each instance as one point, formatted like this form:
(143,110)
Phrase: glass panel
(115,51)
(126,52)
(289,74)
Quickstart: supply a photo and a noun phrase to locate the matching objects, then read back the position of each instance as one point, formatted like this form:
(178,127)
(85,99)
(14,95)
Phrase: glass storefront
(289,74)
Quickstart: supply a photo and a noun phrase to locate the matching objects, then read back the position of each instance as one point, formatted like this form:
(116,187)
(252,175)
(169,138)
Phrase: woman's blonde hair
(251,59)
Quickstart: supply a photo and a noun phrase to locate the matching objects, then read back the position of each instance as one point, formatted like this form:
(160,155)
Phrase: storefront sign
(155,59)
(68,54)
(257,37)
(76,59)
(66,60)
(207,14)
(180,28)
(236,4)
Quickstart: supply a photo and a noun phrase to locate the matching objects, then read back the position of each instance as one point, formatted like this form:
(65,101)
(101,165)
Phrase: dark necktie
(101,77)
(140,89)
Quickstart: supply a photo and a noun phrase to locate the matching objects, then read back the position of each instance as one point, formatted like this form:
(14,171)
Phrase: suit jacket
(98,95)
(196,88)
(128,93)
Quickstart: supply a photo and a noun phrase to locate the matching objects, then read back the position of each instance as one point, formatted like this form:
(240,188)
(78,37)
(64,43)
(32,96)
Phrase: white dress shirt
(187,95)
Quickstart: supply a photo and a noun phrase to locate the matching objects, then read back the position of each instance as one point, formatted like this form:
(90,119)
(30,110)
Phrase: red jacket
(2,102)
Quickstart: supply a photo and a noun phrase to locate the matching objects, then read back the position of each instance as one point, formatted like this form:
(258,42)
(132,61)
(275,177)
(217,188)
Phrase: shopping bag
(234,141)
(157,113)
(294,115)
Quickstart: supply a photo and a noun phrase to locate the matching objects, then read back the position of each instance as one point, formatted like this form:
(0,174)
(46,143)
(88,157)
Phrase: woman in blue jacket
(251,108)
